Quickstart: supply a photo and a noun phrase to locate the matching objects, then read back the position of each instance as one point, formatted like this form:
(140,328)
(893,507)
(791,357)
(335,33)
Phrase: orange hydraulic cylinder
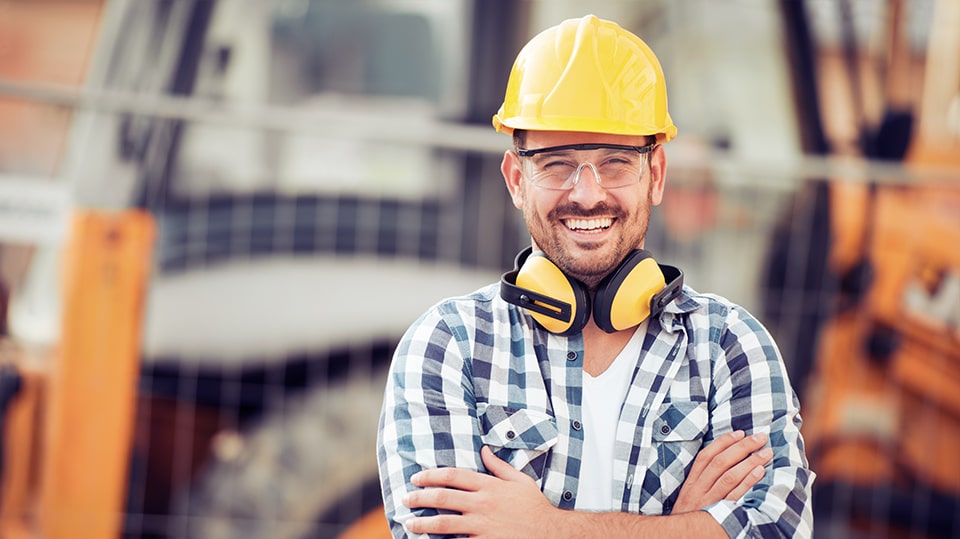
(92,389)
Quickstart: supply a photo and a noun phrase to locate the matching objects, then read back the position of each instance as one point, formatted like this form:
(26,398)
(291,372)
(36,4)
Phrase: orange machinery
(69,430)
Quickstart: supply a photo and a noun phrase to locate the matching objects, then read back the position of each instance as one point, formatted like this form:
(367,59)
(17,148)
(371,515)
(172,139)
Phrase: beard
(589,261)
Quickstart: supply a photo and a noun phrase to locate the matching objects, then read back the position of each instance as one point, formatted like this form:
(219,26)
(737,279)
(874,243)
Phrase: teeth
(589,224)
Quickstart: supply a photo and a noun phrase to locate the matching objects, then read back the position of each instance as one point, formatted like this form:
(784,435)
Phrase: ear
(513,176)
(658,174)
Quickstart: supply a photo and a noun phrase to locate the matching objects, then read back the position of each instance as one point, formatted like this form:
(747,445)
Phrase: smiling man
(590,393)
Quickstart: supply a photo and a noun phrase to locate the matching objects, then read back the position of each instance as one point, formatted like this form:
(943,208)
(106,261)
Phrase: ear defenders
(638,288)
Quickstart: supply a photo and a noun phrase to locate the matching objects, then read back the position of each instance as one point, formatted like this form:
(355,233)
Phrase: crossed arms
(509,504)
(440,394)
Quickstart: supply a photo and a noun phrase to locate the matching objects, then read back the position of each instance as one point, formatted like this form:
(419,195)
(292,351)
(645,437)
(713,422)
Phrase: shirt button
(665,429)
(571,356)
(577,425)
(511,435)
(567,496)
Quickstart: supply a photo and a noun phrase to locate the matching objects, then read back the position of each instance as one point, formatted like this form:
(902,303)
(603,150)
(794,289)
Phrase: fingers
(716,465)
(498,467)
(750,479)
(736,481)
(467,479)
(457,478)
(437,524)
(437,498)
(443,488)
(714,449)
(725,469)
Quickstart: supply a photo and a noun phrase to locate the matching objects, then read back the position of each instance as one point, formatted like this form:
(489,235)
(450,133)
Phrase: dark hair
(519,138)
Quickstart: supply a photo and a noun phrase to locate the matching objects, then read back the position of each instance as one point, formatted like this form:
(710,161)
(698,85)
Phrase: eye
(622,157)
(555,162)
(619,160)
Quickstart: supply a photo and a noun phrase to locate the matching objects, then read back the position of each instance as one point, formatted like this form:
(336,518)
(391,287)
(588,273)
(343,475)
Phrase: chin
(591,272)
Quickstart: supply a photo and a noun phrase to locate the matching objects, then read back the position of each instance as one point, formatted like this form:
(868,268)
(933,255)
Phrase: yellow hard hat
(590,75)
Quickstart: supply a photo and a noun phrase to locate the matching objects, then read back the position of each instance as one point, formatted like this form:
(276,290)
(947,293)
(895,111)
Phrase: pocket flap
(518,428)
(681,421)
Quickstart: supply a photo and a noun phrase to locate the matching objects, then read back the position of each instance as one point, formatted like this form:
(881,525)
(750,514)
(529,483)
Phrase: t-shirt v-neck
(603,396)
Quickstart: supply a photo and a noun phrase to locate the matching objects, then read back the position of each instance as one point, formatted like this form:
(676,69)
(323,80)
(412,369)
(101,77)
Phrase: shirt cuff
(730,516)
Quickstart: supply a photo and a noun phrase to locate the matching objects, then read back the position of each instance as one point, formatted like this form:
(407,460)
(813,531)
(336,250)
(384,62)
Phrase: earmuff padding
(538,274)
(622,299)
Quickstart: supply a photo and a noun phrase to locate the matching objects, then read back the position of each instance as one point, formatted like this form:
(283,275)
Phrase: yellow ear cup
(622,300)
(542,276)
(631,303)
(561,304)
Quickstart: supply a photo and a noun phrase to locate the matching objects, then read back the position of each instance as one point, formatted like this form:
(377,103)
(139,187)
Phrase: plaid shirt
(477,371)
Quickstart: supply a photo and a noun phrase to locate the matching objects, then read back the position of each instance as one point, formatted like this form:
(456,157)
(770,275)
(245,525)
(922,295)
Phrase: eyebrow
(525,152)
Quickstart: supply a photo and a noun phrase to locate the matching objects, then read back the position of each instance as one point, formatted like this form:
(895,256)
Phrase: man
(590,393)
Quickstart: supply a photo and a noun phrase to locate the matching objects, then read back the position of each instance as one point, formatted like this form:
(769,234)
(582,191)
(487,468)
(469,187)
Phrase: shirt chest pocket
(520,436)
(678,434)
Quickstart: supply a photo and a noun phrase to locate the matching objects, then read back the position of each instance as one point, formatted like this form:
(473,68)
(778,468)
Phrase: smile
(589,225)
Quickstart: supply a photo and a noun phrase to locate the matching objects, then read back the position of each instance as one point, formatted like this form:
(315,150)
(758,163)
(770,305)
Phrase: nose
(587,186)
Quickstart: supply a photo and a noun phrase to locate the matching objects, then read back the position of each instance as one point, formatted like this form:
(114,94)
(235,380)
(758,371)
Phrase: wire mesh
(288,263)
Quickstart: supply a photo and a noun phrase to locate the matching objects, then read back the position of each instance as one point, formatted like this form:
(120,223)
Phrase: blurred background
(217,217)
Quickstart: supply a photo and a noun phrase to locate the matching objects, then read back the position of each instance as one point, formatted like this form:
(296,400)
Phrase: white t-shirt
(603,396)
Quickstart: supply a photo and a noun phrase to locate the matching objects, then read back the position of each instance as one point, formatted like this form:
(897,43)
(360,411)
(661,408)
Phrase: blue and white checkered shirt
(477,371)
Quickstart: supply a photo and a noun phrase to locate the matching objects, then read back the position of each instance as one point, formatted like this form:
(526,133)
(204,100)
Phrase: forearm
(578,524)
(554,523)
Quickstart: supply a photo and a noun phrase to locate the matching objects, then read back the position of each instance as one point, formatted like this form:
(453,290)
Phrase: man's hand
(507,504)
(724,470)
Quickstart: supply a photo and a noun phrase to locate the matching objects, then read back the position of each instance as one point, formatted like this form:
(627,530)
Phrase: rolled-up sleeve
(752,393)
(429,417)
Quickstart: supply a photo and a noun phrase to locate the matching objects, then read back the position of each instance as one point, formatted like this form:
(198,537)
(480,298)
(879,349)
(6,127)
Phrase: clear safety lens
(560,168)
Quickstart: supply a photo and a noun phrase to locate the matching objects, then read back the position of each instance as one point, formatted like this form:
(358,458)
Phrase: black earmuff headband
(673,276)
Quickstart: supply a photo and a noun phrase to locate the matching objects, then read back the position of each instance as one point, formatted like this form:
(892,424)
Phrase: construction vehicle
(309,176)
(878,287)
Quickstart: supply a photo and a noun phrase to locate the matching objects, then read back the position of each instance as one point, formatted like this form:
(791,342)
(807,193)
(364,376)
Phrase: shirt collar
(684,304)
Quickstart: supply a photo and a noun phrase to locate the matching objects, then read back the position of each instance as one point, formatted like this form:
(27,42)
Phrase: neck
(601,348)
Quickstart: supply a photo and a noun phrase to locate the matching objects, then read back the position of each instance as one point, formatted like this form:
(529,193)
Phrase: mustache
(578,211)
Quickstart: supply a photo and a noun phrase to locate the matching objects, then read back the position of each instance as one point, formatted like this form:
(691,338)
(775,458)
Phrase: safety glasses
(558,168)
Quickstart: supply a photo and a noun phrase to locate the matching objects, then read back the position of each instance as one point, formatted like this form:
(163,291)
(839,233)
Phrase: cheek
(530,211)
(537,203)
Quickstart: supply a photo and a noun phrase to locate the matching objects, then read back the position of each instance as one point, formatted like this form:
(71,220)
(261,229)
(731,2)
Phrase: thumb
(500,468)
